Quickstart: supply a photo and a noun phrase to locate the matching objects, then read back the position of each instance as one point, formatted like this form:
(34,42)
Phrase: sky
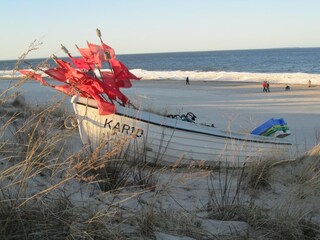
(153,26)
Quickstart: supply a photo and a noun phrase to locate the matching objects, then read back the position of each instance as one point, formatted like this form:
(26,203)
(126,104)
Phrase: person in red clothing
(268,86)
(264,85)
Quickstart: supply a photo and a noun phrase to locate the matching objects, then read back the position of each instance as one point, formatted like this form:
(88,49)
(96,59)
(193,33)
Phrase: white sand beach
(179,203)
(239,106)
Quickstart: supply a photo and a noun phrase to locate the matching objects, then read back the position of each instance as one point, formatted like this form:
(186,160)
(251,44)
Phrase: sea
(282,65)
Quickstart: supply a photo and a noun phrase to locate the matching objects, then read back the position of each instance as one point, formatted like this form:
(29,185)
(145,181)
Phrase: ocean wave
(286,78)
(9,74)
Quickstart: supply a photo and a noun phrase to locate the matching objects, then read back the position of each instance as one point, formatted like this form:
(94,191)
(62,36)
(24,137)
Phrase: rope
(73,119)
(189,117)
(73,122)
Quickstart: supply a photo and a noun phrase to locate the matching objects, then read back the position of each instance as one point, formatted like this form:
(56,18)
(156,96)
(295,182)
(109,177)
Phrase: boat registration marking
(123,128)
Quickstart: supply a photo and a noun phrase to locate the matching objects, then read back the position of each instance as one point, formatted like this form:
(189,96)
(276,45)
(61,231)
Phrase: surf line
(123,128)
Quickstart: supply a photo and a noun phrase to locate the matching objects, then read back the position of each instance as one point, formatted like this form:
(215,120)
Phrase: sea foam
(285,78)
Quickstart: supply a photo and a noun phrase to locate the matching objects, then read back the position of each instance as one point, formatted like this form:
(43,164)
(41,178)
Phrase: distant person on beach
(187,81)
(268,87)
(264,85)
(287,88)
(309,83)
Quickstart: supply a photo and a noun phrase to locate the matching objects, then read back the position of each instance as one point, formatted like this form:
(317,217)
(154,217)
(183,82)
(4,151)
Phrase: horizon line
(191,51)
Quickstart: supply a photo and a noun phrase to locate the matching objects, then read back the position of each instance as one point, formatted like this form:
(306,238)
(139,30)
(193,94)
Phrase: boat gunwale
(267,140)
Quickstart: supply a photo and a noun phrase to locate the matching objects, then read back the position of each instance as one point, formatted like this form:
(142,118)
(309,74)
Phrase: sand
(241,106)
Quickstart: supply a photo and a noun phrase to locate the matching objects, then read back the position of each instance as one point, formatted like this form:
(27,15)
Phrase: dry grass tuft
(309,172)
(153,218)
(35,220)
(258,173)
(233,195)
(285,228)
(225,195)
(108,168)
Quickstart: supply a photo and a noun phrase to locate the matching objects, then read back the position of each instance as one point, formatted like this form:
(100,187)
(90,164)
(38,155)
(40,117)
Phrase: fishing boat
(175,141)
(106,117)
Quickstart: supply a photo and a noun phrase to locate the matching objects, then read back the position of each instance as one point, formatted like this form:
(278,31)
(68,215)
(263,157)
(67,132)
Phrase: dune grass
(237,194)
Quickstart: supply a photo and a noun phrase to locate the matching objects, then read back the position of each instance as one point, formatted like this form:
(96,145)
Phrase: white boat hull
(172,141)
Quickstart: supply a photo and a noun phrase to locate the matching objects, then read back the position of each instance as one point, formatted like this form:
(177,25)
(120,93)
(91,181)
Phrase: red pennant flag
(63,64)
(121,71)
(108,78)
(59,74)
(81,63)
(104,107)
(97,54)
(88,84)
(109,51)
(122,74)
(35,76)
(66,89)
(87,55)
(66,72)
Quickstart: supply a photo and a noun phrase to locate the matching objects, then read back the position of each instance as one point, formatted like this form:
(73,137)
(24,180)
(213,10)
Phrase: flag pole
(107,57)
(70,56)
(96,66)
(106,53)
(95,76)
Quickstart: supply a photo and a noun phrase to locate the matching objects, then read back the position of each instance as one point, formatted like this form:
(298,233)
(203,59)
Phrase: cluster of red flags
(85,76)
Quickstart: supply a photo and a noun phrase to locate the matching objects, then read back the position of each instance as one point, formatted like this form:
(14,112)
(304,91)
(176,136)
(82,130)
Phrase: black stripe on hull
(192,131)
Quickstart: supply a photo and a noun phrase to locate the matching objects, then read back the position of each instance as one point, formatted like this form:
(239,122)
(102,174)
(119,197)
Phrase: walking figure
(187,81)
(268,85)
(264,85)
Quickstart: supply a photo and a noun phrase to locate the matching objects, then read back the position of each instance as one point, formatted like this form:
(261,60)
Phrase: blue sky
(148,26)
